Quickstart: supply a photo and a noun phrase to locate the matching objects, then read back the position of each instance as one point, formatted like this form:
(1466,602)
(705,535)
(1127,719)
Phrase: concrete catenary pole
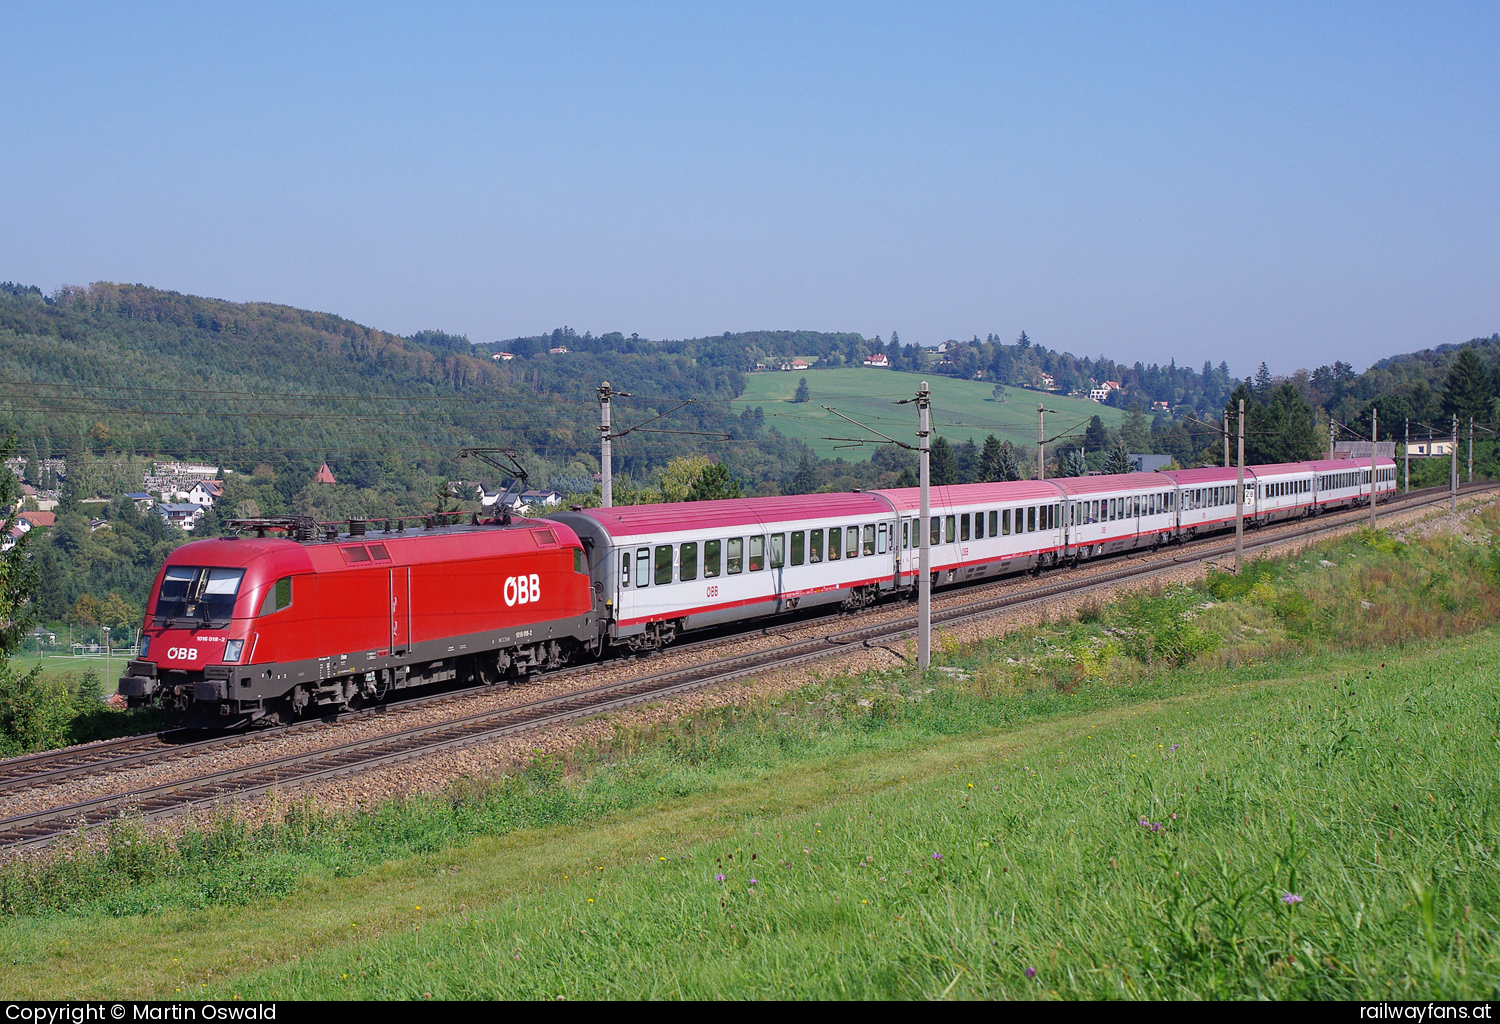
(1374,468)
(1041,455)
(1331,429)
(1471,449)
(1224,429)
(924,535)
(1239,496)
(1406,457)
(606,475)
(1453,470)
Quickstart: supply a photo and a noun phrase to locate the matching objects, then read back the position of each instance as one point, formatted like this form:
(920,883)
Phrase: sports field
(961,409)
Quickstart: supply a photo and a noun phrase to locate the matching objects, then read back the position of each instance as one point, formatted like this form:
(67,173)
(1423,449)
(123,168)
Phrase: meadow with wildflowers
(1247,789)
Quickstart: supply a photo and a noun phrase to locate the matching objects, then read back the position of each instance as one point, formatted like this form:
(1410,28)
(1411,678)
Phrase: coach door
(400,608)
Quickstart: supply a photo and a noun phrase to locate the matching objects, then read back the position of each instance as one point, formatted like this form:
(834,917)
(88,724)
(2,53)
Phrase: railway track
(44,826)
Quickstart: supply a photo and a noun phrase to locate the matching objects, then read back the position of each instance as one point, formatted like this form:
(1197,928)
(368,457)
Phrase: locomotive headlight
(232,650)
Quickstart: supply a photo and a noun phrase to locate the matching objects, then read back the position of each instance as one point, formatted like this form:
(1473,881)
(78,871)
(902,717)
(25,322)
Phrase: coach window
(778,550)
(642,566)
(799,547)
(905,534)
(1031,519)
(950,528)
(880,540)
(278,597)
(835,545)
(851,542)
(625,569)
(663,564)
(994,523)
(815,546)
(711,550)
(963,526)
(688,562)
(757,553)
(734,555)
(869,538)
(1005,522)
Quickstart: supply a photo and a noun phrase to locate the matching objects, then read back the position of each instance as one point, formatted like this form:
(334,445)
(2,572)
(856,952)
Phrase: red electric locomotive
(257,630)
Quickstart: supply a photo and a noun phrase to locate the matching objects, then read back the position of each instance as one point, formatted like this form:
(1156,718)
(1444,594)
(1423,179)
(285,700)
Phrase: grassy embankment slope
(961,409)
(1257,788)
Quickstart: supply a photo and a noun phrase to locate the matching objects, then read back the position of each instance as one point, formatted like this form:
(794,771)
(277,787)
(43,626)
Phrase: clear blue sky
(1292,183)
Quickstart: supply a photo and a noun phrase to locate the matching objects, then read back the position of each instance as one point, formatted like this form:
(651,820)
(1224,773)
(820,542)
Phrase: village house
(878,359)
(184,515)
(504,357)
(206,492)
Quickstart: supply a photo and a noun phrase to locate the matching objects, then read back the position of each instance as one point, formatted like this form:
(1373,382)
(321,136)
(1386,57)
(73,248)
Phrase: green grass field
(960,408)
(1256,788)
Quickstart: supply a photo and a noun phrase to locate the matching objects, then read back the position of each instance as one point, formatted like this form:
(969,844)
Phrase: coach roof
(733,513)
(908,499)
(1116,483)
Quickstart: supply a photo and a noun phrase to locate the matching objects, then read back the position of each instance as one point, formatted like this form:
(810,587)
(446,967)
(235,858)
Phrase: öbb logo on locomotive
(522,590)
(315,625)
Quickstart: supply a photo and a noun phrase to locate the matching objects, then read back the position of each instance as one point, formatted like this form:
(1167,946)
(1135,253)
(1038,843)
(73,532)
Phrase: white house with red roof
(878,359)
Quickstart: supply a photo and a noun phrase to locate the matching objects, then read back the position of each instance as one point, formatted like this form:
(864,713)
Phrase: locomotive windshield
(197,593)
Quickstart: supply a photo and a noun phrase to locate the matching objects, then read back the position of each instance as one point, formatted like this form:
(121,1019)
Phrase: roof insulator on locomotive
(330,532)
(430,523)
(356,527)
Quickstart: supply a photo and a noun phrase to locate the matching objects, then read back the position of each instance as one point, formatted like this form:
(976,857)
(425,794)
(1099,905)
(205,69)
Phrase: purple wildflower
(937,856)
(718,878)
(752,881)
(1031,972)
(1290,897)
(1174,747)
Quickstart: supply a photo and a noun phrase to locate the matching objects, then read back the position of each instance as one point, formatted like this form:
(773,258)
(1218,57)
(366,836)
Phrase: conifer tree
(803,393)
(942,468)
(1467,390)
(1118,459)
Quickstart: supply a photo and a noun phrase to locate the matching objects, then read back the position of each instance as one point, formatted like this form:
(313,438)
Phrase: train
(286,619)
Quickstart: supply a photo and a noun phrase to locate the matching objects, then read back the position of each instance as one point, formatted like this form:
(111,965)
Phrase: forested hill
(129,370)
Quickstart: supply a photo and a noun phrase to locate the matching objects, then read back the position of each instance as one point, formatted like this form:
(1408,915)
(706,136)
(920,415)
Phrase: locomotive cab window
(757,554)
(192,592)
(278,597)
(734,555)
(688,568)
(711,558)
(579,565)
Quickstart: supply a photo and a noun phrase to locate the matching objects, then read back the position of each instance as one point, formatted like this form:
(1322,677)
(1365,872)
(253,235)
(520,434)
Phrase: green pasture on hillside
(961,409)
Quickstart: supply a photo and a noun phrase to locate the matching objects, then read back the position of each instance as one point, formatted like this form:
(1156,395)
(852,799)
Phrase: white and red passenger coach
(661,569)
